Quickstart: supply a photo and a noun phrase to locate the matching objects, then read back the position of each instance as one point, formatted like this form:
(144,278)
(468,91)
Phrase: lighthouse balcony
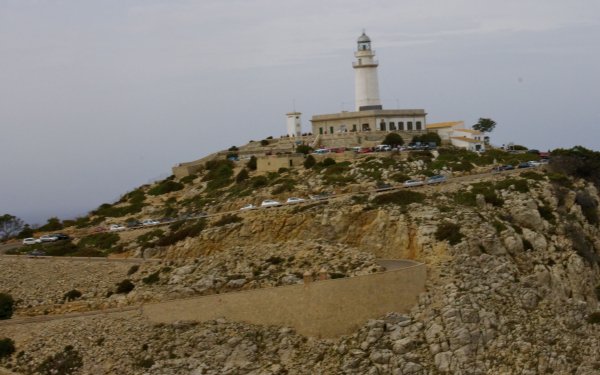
(365,64)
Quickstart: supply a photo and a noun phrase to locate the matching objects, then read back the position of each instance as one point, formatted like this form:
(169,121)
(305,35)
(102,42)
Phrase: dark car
(382,186)
(60,236)
(134,224)
(36,253)
(524,165)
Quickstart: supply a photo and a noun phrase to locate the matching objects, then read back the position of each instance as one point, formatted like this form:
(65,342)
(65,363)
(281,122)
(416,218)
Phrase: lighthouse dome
(364,38)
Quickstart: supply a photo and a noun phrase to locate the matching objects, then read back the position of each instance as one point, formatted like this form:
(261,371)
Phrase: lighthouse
(366,83)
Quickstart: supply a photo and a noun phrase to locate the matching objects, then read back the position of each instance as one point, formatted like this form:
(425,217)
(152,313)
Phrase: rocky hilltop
(512,259)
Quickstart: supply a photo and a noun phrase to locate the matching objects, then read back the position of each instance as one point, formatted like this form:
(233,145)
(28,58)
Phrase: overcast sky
(98,97)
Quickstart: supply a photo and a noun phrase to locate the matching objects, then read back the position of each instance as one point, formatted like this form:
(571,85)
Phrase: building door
(320,130)
(382,126)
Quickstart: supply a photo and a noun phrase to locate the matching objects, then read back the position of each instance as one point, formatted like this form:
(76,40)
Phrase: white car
(149,222)
(436,179)
(48,238)
(413,183)
(116,228)
(270,203)
(248,207)
(31,241)
(293,200)
(534,163)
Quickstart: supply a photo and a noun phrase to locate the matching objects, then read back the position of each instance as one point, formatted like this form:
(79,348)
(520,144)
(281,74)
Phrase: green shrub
(25,232)
(489,193)
(264,142)
(274,260)
(102,241)
(560,179)
(227,219)
(531,175)
(71,295)
(309,162)
(133,269)
(589,206)
(393,139)
(153,278)
(546,213)
(283,186)
(594,318)
(449,232)
(252,163)
(7,305)
(242,176)
(124,287)
(465,198)
(259,181)
(108,210)
(188,179)
(7,347)
(578,162)
(304,149)
(519,185)
(219,173)
(67,362)
(147,239)
(53,224)
(402,197)
(328,162)
(164,187)
(185,231)
(499,226)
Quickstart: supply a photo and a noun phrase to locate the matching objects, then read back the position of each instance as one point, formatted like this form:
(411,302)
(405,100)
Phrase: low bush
(328,162)
(153,278)
(148,239)
(7,347)
(125,287)
(7,305)
(227,219)
(103,241)
(449,232)
(251,163)
(393,139)
(72,295)
(499,226)
(264,142)
(219,173)
(164,187)
(309,162)
(284,185)
(402,198)
(519,185)
(531,175)
(188,179)
(304,149)
(108,210)
(59,248)
(594,318)
(67,362)
(589,206)
(242,176)
(133,269)
(188,230)
(546,213)
(582,245)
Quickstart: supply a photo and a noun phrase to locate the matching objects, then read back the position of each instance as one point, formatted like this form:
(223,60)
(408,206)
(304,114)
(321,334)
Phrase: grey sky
(98,97)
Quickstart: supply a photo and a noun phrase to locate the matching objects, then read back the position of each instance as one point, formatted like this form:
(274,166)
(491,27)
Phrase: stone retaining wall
(326,308)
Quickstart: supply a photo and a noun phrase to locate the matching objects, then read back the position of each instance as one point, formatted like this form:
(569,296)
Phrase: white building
(456,134)
(294,124)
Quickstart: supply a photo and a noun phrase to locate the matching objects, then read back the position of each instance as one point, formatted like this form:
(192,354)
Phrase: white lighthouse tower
(366,83)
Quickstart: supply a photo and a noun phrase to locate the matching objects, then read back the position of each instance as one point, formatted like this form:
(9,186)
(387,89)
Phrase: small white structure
(366,82)
(294,124)
(457,135)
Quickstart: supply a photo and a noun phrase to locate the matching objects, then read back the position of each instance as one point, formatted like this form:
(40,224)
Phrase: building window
(400,125)
(353,127)
(382,126)
(392,126)
(409,125)
(418,125)
(366,128)
(331,130)
(320,130)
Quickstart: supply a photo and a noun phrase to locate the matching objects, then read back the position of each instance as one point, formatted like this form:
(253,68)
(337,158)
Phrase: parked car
(293,200)
(534,163)
(48,238)
(116,228)
(31,241)
(413,183)
(381,148)
(321,151)
(501,168)
(60,236)
(134,224)
(248,207)
(436,179)
(36,253)
(270,203)
(150,222)
(382,186)
(524,165)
